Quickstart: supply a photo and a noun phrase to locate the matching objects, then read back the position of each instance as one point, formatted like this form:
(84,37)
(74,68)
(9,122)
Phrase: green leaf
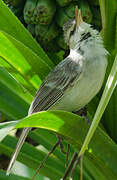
(11,177)
(14,99)
(12,26)
(109,23)
(17,76)
(11,105)
(32,157)
(5,128)
(22,59)
(13,85)
(102,150)
(74,129)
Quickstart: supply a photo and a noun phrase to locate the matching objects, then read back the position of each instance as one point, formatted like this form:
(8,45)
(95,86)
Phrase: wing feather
(54,86)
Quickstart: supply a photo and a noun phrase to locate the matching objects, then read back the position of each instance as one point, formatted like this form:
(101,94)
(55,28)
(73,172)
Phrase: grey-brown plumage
(74,81)
(55,85)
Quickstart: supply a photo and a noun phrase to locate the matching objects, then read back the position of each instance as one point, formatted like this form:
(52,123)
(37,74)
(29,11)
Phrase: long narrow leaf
(17,76)
(5,128)
(11,177)
(12,105)
(23,60)
(109,23)
(13,85)
(75,130)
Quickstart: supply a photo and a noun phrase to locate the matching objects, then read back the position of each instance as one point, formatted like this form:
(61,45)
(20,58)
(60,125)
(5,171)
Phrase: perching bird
(75,80)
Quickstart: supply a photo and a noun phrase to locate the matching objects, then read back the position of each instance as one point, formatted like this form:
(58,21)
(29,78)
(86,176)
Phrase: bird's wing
(55,85)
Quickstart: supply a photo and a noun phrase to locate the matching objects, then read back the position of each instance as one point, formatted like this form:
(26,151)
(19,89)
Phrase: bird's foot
(83,113)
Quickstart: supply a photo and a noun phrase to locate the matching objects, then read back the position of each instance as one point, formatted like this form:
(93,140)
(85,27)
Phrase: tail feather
(17,150)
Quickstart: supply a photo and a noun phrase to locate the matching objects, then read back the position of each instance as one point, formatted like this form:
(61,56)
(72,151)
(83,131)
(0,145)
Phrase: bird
(74,82)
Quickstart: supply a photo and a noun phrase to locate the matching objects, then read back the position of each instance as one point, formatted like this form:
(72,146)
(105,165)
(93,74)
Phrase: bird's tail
(17,150)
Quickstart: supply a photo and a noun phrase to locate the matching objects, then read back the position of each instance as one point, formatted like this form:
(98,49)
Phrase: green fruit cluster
(45,18)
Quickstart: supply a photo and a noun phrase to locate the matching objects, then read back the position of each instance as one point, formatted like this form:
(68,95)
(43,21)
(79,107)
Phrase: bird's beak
(78,17)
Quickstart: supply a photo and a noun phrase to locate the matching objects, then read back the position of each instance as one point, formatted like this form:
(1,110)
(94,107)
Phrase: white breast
(85,88)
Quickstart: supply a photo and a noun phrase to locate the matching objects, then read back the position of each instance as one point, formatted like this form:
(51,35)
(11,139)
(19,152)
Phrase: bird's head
(76,31)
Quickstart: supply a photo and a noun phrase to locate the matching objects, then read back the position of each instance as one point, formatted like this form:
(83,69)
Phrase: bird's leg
(61,145)
(59,142)
(62,149)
